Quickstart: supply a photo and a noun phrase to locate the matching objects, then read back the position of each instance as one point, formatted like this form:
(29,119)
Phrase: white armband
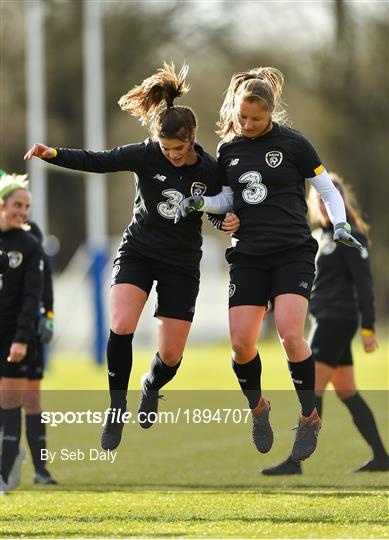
(330,196)
(220,203)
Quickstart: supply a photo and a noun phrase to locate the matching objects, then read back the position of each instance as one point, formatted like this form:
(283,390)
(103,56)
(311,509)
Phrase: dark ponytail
(153,103)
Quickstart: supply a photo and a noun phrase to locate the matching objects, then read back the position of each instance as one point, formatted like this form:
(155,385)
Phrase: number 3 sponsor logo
(256,191)
(168,208)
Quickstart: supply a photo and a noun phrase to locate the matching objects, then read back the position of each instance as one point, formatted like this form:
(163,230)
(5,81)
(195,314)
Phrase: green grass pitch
(203,480)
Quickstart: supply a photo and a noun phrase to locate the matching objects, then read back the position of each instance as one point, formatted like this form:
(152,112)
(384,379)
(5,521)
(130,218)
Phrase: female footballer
(20,294)
(272,258)
(169,167)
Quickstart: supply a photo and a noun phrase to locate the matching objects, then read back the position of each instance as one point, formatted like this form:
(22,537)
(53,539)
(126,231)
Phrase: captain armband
(367,332)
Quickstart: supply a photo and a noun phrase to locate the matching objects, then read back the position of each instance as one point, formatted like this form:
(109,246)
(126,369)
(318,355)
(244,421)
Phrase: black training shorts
(14,370)
(177,287)
(330,341)
(254,280)
(36,365)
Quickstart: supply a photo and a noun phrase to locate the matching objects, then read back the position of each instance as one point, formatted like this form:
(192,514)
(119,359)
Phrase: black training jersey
(47,300)
(4,263)
(21,285)
(343,288)
(160,188)
(267,175)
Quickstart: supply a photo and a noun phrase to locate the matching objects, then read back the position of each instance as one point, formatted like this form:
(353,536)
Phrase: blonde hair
(10,183)
(262,84)
(147,101)
(353,212)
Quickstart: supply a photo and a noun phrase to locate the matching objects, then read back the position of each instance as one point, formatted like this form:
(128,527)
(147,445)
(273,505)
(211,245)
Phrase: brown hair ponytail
(146,103)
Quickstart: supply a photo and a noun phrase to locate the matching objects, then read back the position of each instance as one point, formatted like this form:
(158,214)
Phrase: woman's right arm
(122,158)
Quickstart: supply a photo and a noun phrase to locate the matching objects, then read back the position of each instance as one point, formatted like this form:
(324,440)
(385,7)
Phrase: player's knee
(345,393)
(31,402)
(11,399)
(242,348)
(292,342)
(121,326)
(170,356)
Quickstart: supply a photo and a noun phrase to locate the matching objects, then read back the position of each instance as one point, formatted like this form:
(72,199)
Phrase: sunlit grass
(208,367)
(195,515)
(325,502)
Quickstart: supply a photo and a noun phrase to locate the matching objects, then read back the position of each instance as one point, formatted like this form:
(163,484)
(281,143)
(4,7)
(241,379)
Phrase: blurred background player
(169,167)
(4,263)
(342,300)
(20,295)
(35,429)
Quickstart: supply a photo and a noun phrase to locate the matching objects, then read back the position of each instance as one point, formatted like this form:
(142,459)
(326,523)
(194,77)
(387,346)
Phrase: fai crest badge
(274,158)
(15,258)
(197,189)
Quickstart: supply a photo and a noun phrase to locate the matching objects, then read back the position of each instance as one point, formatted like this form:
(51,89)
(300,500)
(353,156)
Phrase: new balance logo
(242,380)
(297,381)
(233,162)
(304,285)
(160,177)
(111,374)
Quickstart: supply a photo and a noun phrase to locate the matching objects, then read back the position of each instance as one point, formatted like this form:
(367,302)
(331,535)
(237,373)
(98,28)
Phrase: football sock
(12,419)
(319,404)
(160,373)
(119,360)
(364,420)
(249,378)
(36,438)
(303,377)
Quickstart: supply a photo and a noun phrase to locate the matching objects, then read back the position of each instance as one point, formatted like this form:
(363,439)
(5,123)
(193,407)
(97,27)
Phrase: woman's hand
(40,151)
(370,343)
(342,234)
(188,205)
(231,223)
(17,352)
